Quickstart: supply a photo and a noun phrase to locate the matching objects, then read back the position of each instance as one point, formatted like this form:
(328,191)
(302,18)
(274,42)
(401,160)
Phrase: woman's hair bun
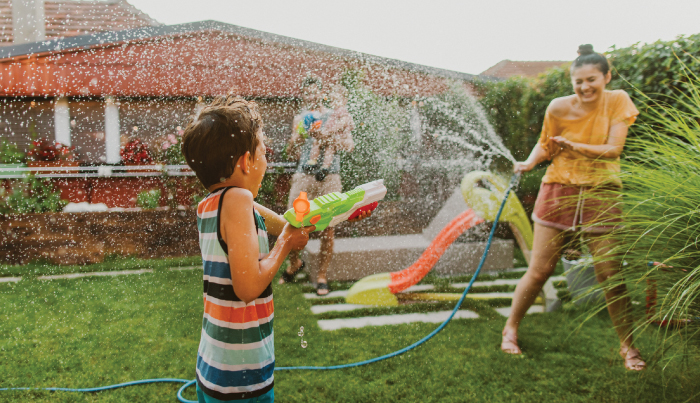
(584,50)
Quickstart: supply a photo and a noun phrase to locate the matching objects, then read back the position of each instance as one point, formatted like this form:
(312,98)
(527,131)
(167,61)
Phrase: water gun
(311,120)
(334,208)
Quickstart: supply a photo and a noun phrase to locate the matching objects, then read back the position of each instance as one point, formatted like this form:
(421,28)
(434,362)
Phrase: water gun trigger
(301,206)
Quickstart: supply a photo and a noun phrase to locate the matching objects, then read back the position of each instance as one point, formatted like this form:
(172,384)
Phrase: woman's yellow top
(572,168)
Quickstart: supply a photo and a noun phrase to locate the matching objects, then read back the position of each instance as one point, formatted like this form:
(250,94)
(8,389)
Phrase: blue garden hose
(188,383)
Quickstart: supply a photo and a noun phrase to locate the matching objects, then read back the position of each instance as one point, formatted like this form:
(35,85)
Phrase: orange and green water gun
(333,208)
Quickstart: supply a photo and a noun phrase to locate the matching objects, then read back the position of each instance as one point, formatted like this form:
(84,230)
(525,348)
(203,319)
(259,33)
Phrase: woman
(583,135)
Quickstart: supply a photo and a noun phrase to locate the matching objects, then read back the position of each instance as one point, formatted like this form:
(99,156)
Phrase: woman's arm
(250,277)
(537,155)
(610,150)
(273,221)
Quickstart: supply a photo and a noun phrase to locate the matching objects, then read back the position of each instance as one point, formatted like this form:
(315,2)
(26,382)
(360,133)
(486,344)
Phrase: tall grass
(661,222)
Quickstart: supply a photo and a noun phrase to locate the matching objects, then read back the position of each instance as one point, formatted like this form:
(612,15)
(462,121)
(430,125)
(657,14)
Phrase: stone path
(432,317)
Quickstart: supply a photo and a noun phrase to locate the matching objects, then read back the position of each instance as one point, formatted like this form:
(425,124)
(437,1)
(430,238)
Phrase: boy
(225,147)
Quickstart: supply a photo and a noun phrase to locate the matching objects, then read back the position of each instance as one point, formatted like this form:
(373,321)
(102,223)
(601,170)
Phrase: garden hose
(188,383)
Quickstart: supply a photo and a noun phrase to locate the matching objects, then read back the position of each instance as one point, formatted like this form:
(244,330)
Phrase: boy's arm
(250,277)
(273,221)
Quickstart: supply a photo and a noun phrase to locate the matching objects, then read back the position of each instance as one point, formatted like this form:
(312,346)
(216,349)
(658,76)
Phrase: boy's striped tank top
(236,357)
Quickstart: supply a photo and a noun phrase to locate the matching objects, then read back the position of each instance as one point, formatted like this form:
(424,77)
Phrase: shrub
(30,195)
(136,152)
(45,150)
(10,153)
(149,199)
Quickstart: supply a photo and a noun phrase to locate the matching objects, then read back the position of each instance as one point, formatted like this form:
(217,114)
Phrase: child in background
(224,145)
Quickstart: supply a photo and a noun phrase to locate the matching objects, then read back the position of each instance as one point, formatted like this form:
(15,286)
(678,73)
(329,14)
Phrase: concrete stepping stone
(513,281)
(9,279)
(505,311)
(98,273)
(383,320)
(344,293)
(319,309)
(186,268)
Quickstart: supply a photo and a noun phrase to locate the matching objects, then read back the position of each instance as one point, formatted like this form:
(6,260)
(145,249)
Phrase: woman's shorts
(307,183)
(577,208)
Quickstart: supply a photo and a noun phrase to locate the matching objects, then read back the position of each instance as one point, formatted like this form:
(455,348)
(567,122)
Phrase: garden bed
(81,238)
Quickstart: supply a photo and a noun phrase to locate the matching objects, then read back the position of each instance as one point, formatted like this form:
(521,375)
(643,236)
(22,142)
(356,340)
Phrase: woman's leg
(546,249)
(618,302)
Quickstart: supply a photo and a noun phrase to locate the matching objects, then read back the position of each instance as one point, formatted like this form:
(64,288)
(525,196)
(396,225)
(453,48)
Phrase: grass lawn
(97,331)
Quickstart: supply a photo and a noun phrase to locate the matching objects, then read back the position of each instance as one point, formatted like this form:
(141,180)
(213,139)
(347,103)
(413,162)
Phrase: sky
(461,35)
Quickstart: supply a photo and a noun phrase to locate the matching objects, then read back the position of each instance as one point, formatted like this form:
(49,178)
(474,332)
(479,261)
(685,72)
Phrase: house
(91,90)
(509,68)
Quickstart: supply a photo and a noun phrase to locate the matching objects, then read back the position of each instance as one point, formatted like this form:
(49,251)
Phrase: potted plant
(45,153)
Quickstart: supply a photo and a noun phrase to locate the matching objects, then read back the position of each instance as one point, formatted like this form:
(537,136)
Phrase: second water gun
(312,120)
(333,208)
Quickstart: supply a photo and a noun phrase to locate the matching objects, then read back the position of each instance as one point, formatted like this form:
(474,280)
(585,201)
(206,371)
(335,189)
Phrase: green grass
(97,331)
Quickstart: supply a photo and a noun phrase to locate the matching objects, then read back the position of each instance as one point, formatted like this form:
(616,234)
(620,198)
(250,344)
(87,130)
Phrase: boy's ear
(244,163)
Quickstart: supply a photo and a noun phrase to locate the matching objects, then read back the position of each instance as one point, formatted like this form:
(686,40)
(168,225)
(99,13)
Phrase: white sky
(467,36)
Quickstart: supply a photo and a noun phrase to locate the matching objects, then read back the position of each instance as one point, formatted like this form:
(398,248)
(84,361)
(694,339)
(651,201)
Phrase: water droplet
(301,331)
(304,344)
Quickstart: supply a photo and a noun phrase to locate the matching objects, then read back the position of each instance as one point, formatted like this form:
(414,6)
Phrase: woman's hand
(520,167)
(564,143)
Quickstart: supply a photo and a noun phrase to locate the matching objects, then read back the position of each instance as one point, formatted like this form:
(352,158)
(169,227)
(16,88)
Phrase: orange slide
(379,289)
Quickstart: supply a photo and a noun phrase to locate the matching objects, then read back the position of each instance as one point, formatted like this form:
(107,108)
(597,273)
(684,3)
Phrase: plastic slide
(381,289)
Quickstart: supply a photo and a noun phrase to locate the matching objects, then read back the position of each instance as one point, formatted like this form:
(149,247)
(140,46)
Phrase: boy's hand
(296,238)
(362,216)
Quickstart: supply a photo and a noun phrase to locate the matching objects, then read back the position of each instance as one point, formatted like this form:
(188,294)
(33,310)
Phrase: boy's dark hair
(219,136)
(588,56)
(311,80)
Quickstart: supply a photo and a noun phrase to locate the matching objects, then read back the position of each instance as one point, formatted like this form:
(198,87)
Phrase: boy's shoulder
(237,200)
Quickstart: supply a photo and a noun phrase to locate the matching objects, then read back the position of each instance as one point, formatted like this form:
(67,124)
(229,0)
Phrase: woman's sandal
(633,360)
(291,278)
(509,344)
(322,286)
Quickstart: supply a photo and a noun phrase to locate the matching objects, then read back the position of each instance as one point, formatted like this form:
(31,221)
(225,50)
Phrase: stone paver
(319,309)
(97,273)
(505,311)
(431,317)
(344,293)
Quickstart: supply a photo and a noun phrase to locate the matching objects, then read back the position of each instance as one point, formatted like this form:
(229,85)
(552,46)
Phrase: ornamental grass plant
(659,241)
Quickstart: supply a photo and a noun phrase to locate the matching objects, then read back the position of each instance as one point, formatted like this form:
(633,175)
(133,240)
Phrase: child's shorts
(302,182)
(268,397)
(577,208)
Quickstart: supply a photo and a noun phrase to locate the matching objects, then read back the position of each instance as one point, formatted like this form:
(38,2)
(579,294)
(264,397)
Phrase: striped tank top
(236,356)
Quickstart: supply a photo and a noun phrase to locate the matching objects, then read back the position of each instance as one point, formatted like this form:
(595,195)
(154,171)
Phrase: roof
(199,58)
(78,17)
(140,34)
(508,68)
